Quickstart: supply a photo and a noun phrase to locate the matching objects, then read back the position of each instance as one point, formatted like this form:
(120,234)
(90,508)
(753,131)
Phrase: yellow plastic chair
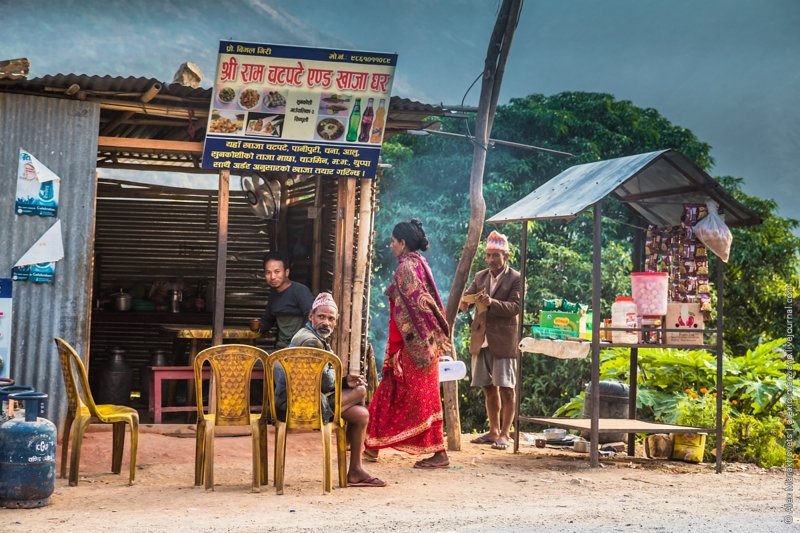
(231,371)
(83,411)
(303,367)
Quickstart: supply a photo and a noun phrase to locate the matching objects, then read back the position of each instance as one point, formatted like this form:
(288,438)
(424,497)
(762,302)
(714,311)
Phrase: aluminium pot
(122,301)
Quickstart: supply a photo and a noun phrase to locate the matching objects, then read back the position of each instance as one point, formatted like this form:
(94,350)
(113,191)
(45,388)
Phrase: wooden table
(197,333)
(186,373)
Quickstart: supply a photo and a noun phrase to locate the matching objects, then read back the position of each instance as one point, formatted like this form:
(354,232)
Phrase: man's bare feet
(358,477)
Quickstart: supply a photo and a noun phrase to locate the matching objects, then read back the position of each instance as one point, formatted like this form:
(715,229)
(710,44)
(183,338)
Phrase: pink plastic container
(650,292)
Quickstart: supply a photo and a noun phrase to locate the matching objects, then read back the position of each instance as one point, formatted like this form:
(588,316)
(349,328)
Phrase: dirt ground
(484,489)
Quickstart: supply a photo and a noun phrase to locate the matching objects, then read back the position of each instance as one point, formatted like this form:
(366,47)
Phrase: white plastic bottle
(624,315)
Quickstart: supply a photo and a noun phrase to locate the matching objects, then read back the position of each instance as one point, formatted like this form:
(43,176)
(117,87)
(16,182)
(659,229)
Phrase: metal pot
(582,446)
(552,434)
(122,301)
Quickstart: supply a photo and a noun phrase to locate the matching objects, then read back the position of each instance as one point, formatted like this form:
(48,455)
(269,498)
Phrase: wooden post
(523,272)
(316,257)
(219,280)
(222,253)
(360,276)
(281,239)
(343,275)
(494,66)
(594,406)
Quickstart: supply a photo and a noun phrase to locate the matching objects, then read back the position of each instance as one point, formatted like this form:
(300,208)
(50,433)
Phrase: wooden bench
(186,373)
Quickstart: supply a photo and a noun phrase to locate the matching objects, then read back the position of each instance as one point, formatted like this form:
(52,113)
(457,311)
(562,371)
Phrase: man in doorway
(315,334)
(495,292)
(289,301)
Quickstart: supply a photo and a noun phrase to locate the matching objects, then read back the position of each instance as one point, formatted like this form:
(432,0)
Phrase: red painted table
(160,373)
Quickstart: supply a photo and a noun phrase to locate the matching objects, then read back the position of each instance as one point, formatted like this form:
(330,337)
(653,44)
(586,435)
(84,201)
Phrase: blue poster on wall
(37,187)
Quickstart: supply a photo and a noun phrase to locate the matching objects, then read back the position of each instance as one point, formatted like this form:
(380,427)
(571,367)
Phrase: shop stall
(661,188)
(140,260)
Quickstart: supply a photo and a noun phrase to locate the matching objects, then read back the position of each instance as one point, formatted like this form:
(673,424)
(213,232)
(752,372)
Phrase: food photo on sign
(334,104)
(329,129)
(264,124)
(226,121)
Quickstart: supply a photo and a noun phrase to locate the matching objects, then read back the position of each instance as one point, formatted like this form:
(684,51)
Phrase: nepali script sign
(299,110)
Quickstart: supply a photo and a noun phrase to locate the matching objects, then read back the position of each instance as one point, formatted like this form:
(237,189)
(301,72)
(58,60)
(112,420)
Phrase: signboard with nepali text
(298,110)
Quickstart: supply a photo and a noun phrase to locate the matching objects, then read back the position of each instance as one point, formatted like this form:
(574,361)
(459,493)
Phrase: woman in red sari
(406,410)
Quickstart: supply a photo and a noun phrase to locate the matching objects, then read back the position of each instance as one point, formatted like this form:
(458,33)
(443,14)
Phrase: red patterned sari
(406,410)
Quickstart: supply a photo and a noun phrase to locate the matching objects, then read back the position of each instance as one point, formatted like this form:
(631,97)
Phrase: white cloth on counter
(560,349)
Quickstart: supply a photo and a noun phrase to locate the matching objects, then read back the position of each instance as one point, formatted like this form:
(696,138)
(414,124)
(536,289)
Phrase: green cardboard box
(574,323)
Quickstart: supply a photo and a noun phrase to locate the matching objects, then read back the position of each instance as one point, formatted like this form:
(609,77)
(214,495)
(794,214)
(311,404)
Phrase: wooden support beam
(156,145)
(664,192)
(316,257)
(143,108)
(360,275)
(222,253)
(343,265)
(148,95)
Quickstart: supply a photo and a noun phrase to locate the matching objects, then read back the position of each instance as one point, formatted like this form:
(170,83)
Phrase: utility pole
(494,66)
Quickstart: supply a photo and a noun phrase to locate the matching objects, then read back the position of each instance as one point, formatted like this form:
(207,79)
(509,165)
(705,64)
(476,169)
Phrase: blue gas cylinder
(27,456)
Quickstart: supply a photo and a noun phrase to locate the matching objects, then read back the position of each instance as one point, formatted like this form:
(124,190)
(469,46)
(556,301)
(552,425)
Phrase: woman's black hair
(411,232)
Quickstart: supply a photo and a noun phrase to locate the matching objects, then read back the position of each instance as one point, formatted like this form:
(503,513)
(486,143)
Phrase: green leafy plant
(755,440)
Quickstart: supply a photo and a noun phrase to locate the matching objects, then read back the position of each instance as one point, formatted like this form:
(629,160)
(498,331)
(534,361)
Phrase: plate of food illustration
(226,95)
(334,104)
(266,125)
(274,100)
(225,122)
(330,129)
(249,98)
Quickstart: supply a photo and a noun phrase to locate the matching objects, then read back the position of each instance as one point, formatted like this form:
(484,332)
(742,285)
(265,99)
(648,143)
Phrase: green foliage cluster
(677,387)
(429,179)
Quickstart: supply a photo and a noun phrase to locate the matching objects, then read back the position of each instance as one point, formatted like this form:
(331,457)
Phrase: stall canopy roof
(655,184)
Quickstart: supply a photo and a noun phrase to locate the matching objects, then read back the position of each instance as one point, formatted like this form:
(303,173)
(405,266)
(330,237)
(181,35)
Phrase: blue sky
(729,70)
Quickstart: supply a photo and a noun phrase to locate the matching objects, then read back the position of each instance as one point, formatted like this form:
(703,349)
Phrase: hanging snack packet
(714,233)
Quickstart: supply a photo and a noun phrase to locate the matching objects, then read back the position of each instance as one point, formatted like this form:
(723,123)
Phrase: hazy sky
(729,70)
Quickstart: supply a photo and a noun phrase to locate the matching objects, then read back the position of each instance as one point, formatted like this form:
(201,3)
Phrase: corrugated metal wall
(62,134)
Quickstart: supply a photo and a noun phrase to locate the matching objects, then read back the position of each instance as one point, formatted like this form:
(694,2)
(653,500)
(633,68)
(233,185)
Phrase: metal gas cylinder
(27,456)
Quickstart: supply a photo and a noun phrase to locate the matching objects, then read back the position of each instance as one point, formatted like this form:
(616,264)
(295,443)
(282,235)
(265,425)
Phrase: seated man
(315,334)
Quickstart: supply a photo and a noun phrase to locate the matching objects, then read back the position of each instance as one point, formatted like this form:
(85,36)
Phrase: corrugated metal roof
(145,108)
(654,184)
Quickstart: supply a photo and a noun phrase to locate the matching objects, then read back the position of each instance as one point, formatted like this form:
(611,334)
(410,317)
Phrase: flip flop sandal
(369,457)
(483,439)
(500,445)
(369,482)
(425,464)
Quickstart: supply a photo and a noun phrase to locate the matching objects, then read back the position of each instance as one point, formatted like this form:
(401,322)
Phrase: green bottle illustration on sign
(355,121)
